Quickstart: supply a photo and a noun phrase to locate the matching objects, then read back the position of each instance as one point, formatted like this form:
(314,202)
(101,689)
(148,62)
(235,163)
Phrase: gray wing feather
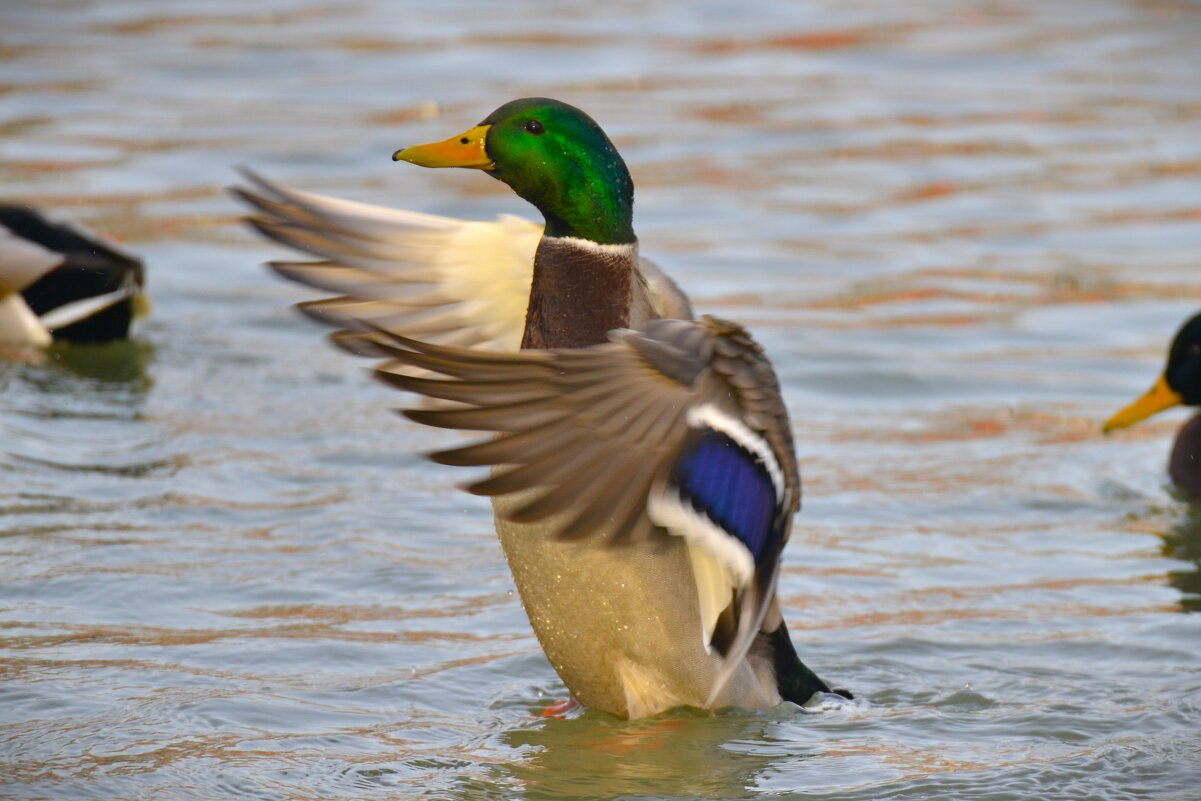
(669,300)
(589,429)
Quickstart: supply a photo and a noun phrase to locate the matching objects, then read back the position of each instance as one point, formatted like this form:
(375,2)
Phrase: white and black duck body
(59,281)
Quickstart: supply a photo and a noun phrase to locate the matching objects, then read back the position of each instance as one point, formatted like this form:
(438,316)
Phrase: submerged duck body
(1184,462)
(61,282)
(1179,384)
(643,474)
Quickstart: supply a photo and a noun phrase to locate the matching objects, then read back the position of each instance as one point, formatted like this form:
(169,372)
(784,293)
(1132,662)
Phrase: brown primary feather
(536,444)
(487,392)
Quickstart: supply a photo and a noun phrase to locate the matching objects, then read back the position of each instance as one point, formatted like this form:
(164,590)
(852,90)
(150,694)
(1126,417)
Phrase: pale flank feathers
(22,263)
(19,325)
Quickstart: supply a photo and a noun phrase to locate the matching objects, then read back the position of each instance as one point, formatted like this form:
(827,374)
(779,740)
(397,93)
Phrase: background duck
(1180,383)
(59,281)
(699,490)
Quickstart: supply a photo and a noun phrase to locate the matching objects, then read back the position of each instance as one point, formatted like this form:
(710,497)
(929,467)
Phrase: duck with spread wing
(642,467)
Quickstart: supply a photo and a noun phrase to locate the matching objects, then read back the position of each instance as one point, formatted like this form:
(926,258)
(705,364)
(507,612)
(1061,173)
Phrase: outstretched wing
(437,279)
(674,430)
(434,278)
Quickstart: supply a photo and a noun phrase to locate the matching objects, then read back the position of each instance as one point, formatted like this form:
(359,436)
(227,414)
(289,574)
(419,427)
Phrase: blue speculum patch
(731,486)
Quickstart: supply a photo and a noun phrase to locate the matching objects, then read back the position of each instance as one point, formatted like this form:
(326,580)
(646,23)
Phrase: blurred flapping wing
(677,429)
(437,279)
(418,275)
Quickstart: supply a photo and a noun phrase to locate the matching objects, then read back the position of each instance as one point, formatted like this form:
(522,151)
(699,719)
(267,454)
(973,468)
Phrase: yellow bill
(1158,398)
(464,150)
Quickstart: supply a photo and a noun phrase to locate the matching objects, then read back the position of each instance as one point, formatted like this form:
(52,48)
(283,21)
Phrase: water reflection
(125,361)
(78,408)
(1183,542)
(680,754)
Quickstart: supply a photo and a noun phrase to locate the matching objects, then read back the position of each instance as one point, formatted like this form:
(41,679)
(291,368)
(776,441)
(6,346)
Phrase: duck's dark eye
(534,127)
(1194,349)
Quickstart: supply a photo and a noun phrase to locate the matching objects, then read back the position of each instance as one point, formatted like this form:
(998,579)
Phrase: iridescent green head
(553,155)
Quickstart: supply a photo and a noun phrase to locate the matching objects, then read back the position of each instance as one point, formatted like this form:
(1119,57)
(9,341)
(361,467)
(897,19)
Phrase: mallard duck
(61,282)
(643,478)
(1180,383)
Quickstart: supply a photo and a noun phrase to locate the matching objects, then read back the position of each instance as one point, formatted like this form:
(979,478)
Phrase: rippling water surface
(965,232)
